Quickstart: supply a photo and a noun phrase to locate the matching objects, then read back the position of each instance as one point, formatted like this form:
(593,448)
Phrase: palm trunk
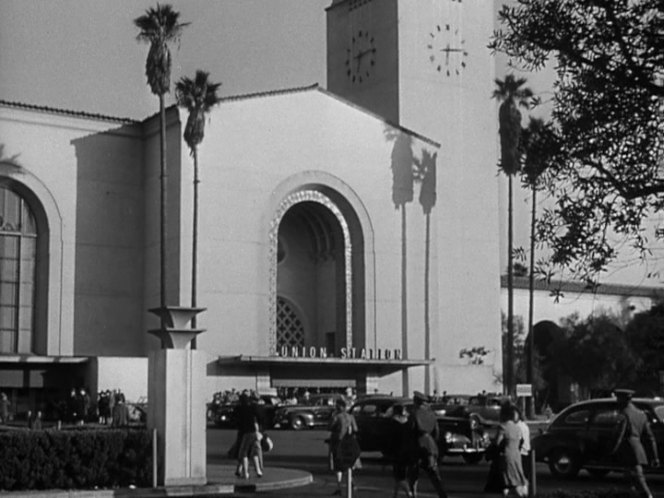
(194,245)
(164,205)
(531,305)
(509,370)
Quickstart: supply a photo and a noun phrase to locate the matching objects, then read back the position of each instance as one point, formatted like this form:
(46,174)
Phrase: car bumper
(462,445)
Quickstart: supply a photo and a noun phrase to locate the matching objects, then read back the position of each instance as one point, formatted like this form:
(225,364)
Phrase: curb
(274,479)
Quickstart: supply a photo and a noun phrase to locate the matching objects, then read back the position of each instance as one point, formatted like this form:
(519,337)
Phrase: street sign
(524,390)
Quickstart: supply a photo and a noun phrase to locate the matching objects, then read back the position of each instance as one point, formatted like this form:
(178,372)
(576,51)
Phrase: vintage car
(485,408)
(459,436)
(585,434)
(317,412)
(223,415)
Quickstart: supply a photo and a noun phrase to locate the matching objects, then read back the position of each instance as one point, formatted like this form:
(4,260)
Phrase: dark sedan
(223,415)
(584,435)
(316,412)
(459,436)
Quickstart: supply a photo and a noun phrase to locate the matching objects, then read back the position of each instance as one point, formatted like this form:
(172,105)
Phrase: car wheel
(472,458)
(297,423)
(564,463)
(598,472)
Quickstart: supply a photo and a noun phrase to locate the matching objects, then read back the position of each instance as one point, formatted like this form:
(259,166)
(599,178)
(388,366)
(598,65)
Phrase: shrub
(595,493)
(75,459)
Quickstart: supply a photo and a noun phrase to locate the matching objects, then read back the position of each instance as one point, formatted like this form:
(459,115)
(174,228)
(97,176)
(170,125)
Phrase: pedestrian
(508,440)
(72,406)
(4,408)
(401,450)
(343,431)
(120,414)
(249,437)
(525,444)
(35,421)
(635,428)
(424,434)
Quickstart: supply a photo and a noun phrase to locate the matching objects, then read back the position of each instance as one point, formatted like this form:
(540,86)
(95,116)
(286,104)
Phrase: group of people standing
(415,446)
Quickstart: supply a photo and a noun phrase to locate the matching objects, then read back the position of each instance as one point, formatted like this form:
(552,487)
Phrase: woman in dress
(342,424)
(249,437)
(508,439)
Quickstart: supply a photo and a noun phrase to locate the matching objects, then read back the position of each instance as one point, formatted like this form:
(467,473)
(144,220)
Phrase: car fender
(544,445)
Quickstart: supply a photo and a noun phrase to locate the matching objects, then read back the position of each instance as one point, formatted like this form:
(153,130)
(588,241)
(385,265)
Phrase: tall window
(18,248)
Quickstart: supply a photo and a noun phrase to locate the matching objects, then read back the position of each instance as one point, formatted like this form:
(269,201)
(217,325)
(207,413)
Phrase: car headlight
(448,437)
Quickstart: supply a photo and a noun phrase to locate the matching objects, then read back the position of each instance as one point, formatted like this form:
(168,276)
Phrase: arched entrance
(313,275)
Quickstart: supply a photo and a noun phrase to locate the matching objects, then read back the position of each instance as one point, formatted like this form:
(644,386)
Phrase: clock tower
(425,65)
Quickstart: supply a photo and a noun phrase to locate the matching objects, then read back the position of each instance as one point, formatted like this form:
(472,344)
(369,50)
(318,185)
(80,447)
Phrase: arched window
(18,249)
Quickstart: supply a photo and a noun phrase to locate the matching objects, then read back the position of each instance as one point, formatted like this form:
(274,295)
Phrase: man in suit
(635,429)
(425,433)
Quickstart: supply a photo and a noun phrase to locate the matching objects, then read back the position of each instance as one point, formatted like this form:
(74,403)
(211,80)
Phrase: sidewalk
(221,481)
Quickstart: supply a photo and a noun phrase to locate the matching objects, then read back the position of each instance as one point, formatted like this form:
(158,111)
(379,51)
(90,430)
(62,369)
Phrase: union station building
(348,235)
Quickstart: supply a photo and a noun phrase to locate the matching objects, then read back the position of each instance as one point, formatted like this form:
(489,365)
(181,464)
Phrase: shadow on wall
(407,170)
(111,198)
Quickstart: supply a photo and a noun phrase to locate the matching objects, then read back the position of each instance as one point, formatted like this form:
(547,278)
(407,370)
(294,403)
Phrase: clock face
(360,57)
(446,49)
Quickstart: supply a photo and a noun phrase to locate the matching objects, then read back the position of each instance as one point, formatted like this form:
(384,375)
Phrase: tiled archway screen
(290,331)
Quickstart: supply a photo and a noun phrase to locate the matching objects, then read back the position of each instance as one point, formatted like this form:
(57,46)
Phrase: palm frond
(159,26)
(198,96)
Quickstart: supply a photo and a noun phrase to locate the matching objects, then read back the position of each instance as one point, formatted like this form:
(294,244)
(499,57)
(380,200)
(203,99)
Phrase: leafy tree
(512,95)
(596,354)
(159,27)
(198,96)
(645,333)
(607,109)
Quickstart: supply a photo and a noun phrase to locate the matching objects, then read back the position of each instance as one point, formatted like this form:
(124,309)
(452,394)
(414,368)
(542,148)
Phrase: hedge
(596,493)
(75,459)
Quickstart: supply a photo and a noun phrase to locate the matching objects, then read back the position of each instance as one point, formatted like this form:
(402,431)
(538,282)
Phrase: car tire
(473,458)
(297,423)
(564,463)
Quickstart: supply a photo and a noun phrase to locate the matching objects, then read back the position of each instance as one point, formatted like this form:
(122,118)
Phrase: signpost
(524,390)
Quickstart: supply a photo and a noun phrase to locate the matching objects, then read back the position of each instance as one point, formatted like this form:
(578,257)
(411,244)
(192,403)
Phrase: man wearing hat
(634,429)
(424,426)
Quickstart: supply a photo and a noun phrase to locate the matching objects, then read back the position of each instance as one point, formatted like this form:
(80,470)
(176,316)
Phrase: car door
(373,426)
(603,435)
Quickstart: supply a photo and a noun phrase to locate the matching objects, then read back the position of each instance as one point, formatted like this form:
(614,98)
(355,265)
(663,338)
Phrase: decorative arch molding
(347,207)
(286,204)
(48,330)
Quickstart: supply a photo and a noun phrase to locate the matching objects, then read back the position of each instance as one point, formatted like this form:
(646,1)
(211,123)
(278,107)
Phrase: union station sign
(343,353)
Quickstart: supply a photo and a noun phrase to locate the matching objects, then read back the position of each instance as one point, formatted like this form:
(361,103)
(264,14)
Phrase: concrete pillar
(176,408)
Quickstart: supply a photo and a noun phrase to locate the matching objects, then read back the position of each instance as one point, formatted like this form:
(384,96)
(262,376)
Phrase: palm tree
(538,146)
(159,27)
(512,96)
(198,96)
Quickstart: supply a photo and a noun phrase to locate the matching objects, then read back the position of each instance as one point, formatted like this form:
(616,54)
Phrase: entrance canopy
(282,371)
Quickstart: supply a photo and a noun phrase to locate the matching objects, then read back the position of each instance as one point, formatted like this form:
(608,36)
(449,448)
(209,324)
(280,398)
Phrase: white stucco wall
(88,231)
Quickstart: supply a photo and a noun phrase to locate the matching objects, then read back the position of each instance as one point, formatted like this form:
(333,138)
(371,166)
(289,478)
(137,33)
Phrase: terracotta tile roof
(270,93)
(65,112)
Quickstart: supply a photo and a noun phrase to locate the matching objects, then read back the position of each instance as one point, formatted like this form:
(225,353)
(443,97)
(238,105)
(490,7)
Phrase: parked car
(583,435)
(223,415)
(459,436)
(485,408)
(317,412)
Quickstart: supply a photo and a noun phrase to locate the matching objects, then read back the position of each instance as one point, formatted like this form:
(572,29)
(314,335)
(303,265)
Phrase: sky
(83,55)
